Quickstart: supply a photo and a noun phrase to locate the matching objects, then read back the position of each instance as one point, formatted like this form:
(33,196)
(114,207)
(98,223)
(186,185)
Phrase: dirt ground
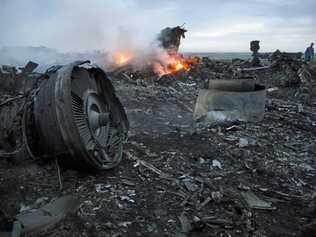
(180,180)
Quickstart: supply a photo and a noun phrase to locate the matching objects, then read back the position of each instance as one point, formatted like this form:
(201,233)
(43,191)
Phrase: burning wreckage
(243,164)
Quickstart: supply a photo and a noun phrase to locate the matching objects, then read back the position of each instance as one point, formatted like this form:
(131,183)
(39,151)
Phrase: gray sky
(214,25)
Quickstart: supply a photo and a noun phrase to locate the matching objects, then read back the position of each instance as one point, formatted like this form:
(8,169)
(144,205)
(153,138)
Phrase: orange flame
(122,58)
(180,65)
(174,64)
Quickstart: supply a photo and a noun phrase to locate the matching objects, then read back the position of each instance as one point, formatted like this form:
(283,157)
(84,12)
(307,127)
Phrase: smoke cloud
(78,26)
(104,25)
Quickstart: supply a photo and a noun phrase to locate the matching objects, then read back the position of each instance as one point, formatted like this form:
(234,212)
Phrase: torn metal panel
(255,202)
(239,85)
(29,67)
(236,103)
(170,38)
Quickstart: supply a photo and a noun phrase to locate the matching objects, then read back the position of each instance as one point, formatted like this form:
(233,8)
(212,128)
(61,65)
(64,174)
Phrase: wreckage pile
(283,71)
(287,71)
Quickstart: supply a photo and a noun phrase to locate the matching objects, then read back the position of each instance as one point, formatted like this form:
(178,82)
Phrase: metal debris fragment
(170,38)
(230,100)
(255,202)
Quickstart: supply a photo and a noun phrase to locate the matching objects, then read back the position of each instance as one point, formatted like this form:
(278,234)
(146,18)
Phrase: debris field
(180,178)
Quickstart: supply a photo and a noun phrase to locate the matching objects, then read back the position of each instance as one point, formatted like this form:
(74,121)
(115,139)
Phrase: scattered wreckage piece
(229,101)
(34,221)
(285,55)
(170,38)
(285,69)
(255,202)
(71,113)
(12,79)
(254,47)
(7,75)
(252,69)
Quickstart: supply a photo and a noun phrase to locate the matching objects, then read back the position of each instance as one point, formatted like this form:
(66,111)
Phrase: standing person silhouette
(309,53)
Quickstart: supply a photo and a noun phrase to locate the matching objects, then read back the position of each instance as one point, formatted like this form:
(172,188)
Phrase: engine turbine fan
(78,117)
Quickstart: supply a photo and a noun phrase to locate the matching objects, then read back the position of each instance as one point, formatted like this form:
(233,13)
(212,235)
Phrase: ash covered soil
(177,179)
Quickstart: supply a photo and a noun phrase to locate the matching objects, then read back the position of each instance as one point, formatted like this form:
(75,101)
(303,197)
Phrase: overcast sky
(213,25)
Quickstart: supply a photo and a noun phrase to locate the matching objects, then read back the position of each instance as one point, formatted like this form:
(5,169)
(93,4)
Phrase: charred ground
(177,179)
